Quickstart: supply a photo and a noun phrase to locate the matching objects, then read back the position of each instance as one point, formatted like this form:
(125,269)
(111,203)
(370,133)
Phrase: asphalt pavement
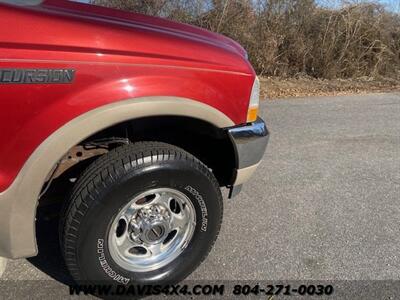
(324,203)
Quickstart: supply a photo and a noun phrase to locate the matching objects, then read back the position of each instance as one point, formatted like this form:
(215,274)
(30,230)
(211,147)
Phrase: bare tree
(338,39)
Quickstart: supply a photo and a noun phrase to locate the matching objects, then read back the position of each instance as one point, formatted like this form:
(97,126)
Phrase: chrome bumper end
(250,142)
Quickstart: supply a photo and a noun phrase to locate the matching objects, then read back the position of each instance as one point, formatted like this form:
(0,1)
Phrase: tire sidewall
(94,259)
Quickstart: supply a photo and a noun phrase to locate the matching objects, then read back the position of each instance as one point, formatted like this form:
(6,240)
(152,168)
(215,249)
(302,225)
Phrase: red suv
(146,119)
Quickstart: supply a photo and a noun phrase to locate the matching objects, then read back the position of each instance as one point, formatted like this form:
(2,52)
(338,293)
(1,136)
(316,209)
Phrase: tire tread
(104,172)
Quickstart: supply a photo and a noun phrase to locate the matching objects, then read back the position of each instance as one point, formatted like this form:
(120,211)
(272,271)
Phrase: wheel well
(207,142)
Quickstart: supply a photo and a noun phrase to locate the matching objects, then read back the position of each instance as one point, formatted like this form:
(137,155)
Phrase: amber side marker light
(252,114)
(254,102)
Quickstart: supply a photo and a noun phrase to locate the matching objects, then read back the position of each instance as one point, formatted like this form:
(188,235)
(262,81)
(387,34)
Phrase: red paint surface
(117,56)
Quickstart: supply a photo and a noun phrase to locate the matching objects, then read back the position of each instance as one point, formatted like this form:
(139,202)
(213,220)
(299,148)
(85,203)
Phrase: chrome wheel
(152,230)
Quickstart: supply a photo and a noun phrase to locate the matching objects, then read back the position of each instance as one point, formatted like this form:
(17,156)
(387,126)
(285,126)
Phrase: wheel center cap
(151,225)
(155,233)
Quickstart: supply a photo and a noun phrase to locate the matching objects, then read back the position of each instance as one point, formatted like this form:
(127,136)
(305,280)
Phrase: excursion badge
(34,76)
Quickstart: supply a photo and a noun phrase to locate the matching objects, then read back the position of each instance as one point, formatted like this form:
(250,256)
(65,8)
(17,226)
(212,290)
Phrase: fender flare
(19,202)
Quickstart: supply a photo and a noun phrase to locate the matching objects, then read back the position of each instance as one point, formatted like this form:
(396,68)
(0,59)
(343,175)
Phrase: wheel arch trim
(19,202)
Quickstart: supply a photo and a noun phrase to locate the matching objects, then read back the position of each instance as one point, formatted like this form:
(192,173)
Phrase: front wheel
(143,213)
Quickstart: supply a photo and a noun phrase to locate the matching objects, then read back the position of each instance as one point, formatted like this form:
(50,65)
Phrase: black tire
(108,184)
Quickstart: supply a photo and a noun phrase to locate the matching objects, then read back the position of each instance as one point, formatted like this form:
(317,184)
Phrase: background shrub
(294,37)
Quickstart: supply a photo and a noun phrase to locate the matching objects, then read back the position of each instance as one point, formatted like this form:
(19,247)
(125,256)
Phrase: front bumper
(250,142)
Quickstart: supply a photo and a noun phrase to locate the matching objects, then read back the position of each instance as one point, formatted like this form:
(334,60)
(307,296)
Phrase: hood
(150,22)
(154,27)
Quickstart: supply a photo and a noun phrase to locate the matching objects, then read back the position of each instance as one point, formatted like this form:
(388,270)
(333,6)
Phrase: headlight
(252,112)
